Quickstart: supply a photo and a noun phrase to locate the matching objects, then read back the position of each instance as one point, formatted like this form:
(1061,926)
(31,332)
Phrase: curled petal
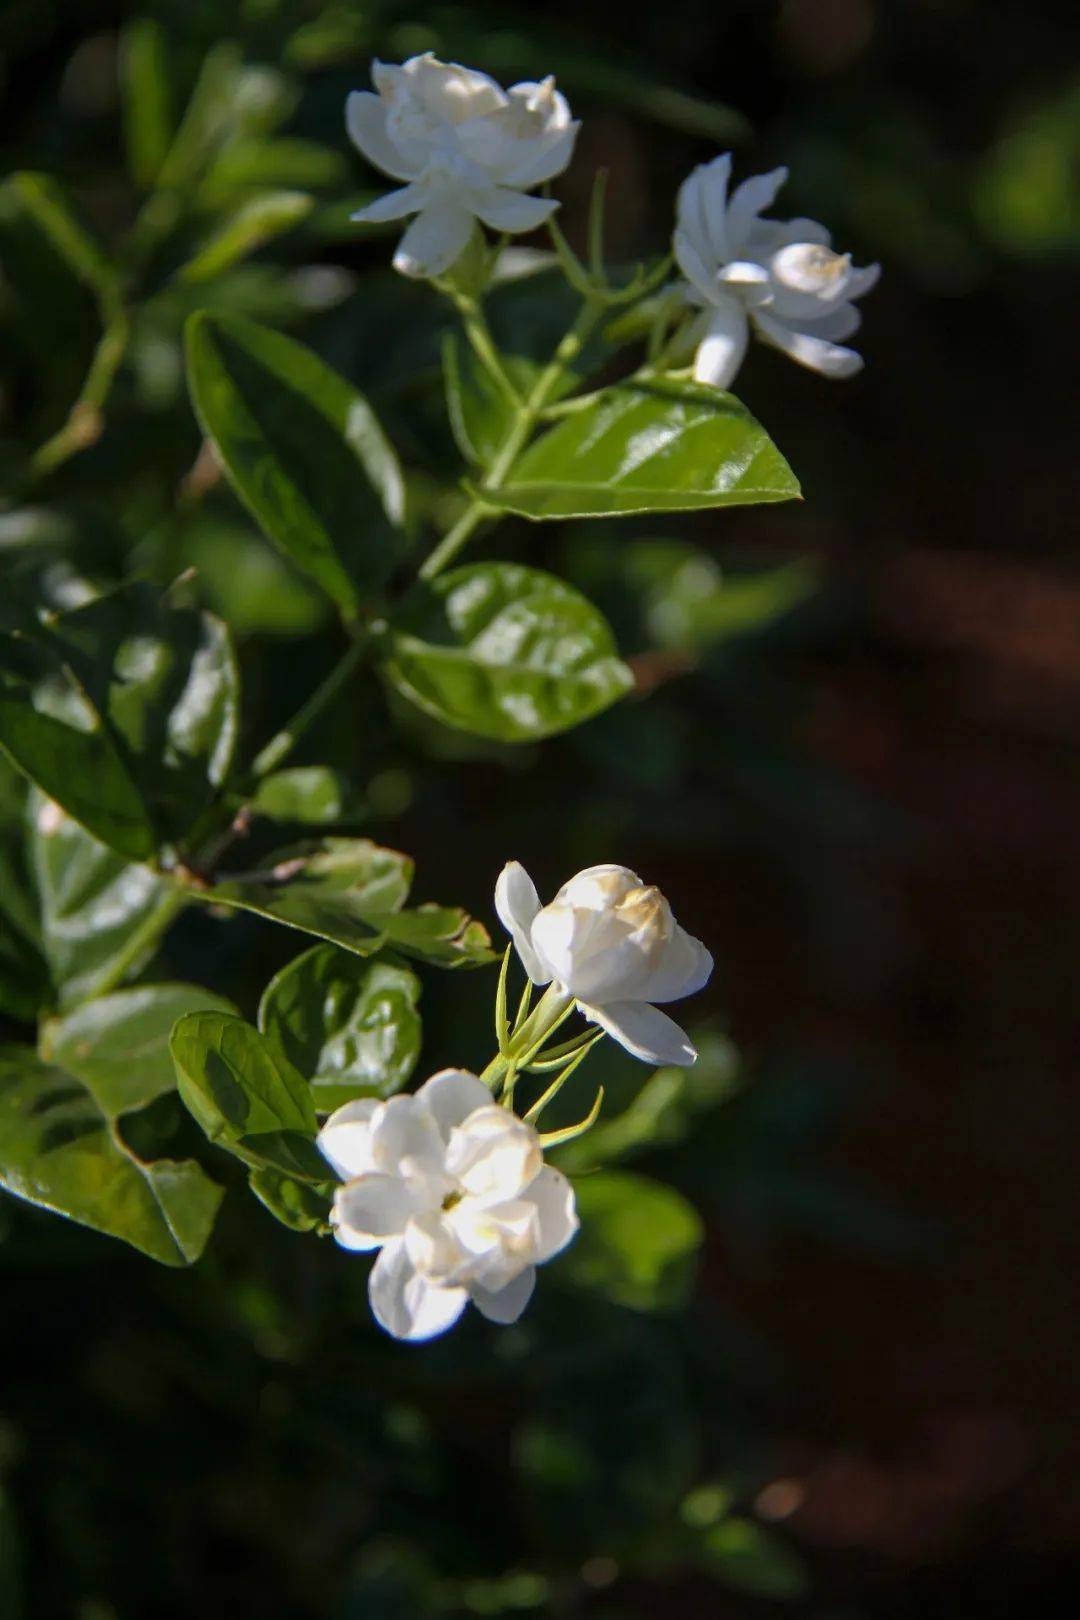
(365,121)
(686,968)
(645,1032)
(861,281)
(451,1096)
(493,1155)
(505,1305)
(345,1139)
(830,359)
(506,210)
(437,236)
(405,1304)
(394,205)
(721,350)
(371,1209)
(694,265)
(403,1129)
(517,904)
(558,1221)
(547,158)
(748,201)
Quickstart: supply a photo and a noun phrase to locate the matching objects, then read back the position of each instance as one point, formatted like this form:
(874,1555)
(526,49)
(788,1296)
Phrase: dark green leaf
(247,1098)
(95,906)
(637,1242)
(350,1026)
(505,652)
(295,1204)
(125,712)
(148,120)
(59,1151)
(660,446)
(25,986)
(480,413)
(310,793)
(754,1560)
(46,204)
(302,450)
(118,1045)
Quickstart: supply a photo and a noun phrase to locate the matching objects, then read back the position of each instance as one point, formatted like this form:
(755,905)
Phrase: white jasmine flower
(452,1189)
(781,276)
(467,150)
(612,945)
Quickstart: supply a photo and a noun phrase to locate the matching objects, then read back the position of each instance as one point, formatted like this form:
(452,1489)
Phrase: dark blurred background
(868,809)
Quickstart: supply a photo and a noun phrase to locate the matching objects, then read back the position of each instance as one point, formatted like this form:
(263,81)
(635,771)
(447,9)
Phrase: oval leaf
(637,1243)
(310,793)
(505,652)
(350,1026)
(302,449)
(660,446)
(57,1150)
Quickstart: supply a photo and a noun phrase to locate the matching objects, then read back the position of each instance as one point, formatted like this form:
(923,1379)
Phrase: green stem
(480,336)
(555,1005)
(143,940)
(281,746)
(521,429)
(85,420)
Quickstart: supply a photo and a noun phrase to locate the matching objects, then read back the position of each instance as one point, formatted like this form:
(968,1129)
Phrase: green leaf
(310,793)
(660,446)
(94,905)
(692,604)
(303,451)
(505,652)
(293,1203)
(350,892)
(45,203)
(118,1045)
(25,986)
(148,118)
(57,1150)
(637,1242)
(253,225)
(755,1560)
(350,1026)
(124,712)
(246,1097)
(287,163)
(481,414)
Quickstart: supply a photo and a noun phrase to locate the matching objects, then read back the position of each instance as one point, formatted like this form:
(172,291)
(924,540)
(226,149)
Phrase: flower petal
(451,1096)
(694,265)
(816,352)
(493,1155)
(748,201)
(437,236)
(505,1305)
(549,156)
(686,967)
(345,1139)
(403,1129)
(517,903)
(504,210)
(365,121)
(370,1209)
(644,1031)
(404,1304)
(393,205)
(554,1199)
(721,351)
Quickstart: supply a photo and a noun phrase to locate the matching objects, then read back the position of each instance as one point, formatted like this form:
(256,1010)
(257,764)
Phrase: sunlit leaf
(637,1243)
(309,793)
(148,118)
(350,1026)
(660,446)
(505,652)
(303,451)
(295,1204)
(58,1150)
(255,223)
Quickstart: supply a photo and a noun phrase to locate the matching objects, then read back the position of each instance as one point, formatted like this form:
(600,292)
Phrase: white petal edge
(371,1209)
(365,123)
(721,351)
(437,236)
(345,1139)
(505,1305)
(686,968)
(645,1032)
(517,904)
(555,1204)
(544,164)
(451,1095)
(394,205)
(502,209)
(404,1304)
(830,359)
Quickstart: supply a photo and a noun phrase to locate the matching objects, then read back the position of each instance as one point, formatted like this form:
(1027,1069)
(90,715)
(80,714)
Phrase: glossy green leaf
(350,892)
(118,1045)
(303,451)
(505,652)
(247,1097)
(95,907)
(255,223)
(124,711)
(295,1204)
(350,1026)
(310,793)
(58,1150)
(660,446)
(755,1560)
(637,1243)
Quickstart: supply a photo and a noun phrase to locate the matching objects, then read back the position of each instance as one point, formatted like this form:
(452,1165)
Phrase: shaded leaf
(660,446)
(505,652)
(25,985)
(255,223)
(480,413)
(246,1097)
(148,117)
(57,1150)
(637,1242)
(350,1026)
(118,1045)
(753,1559)
(295,1204)
(303,451)
(311,793)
